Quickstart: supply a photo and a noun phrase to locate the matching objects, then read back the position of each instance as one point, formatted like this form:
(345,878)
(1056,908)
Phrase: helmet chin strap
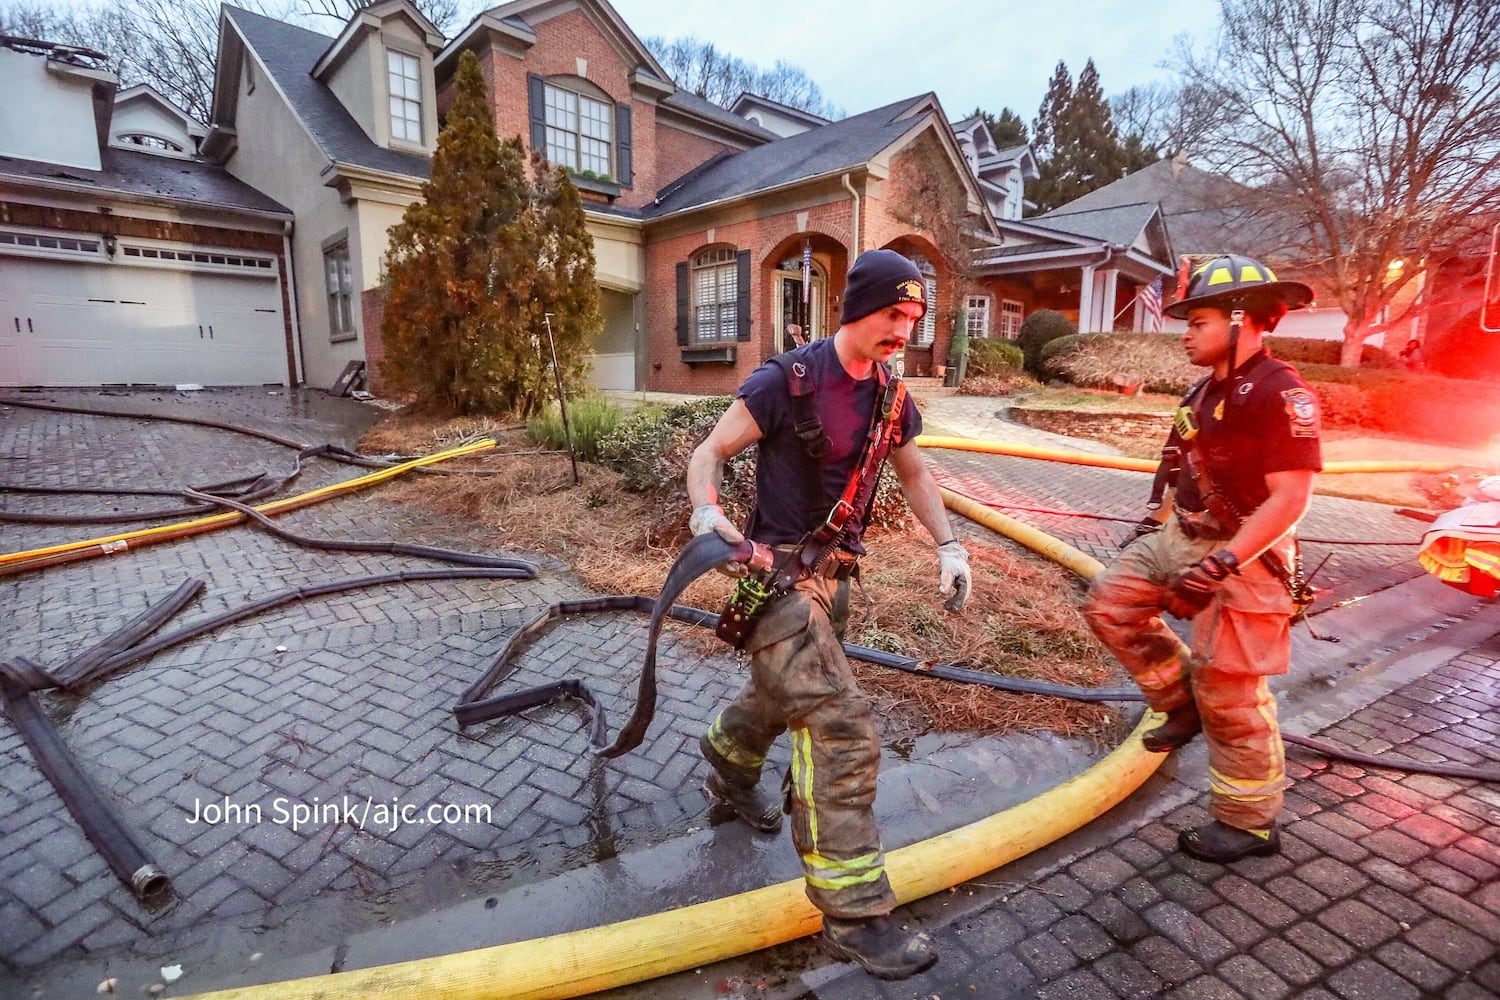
(1236,317)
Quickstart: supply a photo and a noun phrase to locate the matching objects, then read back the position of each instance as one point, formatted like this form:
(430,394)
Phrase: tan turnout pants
(1237,642)
(800,681)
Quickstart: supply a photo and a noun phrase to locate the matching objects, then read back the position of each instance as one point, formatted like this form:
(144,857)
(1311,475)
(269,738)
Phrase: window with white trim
(338,278)
(926,329)
(977,315)
(715,284)
(1011,315)
(404,76)
(580,132)
(148,141)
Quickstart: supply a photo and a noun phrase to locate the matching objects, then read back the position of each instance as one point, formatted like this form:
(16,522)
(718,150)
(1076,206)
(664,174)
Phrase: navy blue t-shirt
(1269,422)
(789,503)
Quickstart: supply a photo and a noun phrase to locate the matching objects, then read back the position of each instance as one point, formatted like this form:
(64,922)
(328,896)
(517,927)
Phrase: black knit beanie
(881,278)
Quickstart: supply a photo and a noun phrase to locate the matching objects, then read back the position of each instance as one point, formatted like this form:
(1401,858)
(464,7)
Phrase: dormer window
(147,141)
(404,73)
(579,131)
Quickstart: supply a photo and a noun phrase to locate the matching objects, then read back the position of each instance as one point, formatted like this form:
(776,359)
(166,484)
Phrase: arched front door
(801,306)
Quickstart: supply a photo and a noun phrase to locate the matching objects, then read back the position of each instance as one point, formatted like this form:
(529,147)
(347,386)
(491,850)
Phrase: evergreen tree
(1006,129)
(1078,148)
(471,268)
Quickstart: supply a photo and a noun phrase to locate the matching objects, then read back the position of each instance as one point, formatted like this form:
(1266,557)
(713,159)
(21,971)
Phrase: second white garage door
(153,315)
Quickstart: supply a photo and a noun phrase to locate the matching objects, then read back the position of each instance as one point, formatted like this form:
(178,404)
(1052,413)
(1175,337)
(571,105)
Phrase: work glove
(954,576)
(709,517)
(1190,591)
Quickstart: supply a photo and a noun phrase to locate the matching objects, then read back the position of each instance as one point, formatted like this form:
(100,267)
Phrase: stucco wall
(63,102)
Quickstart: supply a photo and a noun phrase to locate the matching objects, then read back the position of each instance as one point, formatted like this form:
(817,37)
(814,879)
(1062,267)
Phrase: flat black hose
(357,545)
(84,800)
(80,669)
(136,653)
(261,486)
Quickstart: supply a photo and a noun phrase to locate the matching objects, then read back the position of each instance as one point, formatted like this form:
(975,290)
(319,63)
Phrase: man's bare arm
(735,431)
(921,492)
(1291,492)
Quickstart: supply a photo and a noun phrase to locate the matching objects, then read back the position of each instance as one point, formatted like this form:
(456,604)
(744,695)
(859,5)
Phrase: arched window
(147,141)
(715,289)
(580,130)
(923,334)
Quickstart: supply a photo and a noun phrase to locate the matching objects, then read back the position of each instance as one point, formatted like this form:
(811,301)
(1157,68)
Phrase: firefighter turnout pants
(800,681)
(1240,639)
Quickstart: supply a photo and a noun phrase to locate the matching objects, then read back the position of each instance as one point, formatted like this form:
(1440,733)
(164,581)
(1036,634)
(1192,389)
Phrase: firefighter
(1237,474)
(811,412)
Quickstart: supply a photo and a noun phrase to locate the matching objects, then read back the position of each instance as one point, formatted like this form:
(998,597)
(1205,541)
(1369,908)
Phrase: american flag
(1151,298)
(806,272)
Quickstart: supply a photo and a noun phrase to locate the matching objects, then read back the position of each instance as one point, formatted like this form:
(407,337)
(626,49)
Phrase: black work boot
(879,946)
(739,793)
(1221,843)
(1178,731)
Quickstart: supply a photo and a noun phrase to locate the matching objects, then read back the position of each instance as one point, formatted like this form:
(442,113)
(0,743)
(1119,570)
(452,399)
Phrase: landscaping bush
(994,358)
(651,446)
(1040,329)
(592,419)
(1094,360)
(1425,407)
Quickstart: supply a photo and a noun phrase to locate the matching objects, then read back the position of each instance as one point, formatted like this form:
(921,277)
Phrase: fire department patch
(1302,408)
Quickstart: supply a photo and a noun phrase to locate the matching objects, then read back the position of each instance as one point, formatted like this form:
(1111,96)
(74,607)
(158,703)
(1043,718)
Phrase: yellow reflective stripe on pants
(802,777)
(845,881)
(732,752)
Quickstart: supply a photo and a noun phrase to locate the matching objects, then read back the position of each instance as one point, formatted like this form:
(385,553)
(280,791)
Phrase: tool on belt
(809,556)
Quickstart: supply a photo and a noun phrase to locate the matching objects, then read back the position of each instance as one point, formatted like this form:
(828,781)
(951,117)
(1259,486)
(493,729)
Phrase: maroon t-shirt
(790,499)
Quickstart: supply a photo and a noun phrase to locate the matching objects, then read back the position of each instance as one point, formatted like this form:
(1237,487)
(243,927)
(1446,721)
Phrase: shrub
(1094,359)
(592,419)
(1313,351)
(994,358)
(1038,330)
(651,446)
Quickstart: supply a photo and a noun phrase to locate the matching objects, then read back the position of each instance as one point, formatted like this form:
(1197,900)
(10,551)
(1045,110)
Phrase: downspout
(291,298)
(854,229)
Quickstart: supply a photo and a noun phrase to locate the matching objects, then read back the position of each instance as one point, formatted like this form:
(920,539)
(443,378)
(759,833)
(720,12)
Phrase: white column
(1086,299)
(1104,300)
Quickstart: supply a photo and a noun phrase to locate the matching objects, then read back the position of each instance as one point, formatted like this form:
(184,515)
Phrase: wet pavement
(1386,888)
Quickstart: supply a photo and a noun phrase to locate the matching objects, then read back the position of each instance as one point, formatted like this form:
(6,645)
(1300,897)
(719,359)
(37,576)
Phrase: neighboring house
(1002,173)
(341,131)
(1090,266)
(125,259)
(1209,214)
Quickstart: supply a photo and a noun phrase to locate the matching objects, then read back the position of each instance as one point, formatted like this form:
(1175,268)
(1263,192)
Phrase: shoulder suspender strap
(805,421)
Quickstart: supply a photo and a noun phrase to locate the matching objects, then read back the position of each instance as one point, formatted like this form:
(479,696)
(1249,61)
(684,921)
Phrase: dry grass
(1021,619)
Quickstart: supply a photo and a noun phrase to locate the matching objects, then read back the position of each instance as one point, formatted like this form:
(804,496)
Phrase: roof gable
(287,54)
(851,143)
(600,12)
(365,22)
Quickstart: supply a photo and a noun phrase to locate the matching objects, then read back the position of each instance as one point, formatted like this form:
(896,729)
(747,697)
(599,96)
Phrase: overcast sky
(971,52)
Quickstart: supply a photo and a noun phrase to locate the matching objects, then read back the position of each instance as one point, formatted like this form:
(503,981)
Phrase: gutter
(95,191)
(299,363)
(757,193)
(854,225)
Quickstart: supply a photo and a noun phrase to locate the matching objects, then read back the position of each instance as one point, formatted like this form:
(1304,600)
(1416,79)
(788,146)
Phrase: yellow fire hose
(597,958)
(53,555)
(1145,464)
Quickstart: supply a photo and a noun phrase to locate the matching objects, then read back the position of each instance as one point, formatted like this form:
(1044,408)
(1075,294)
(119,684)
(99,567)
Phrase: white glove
(710,517)
(954,576)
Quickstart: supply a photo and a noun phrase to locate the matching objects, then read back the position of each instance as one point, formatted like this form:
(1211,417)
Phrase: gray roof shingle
(128,172)
(289,54)
(842,145)
(1119,225)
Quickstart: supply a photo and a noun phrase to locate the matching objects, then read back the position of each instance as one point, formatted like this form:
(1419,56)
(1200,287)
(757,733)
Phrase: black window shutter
(537,99)
(683,304)
(742,288)
(626,170)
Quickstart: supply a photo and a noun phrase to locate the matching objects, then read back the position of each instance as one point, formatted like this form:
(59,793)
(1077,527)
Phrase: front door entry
(801,311)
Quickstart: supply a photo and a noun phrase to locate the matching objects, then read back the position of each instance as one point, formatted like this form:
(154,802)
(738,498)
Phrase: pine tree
(1007,130)
(475,265)
(1078,148)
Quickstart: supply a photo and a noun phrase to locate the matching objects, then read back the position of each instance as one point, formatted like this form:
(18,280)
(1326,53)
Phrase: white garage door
(154,314)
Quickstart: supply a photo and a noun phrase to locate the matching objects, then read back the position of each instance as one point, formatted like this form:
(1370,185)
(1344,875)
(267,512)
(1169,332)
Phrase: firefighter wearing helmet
(1219,550)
